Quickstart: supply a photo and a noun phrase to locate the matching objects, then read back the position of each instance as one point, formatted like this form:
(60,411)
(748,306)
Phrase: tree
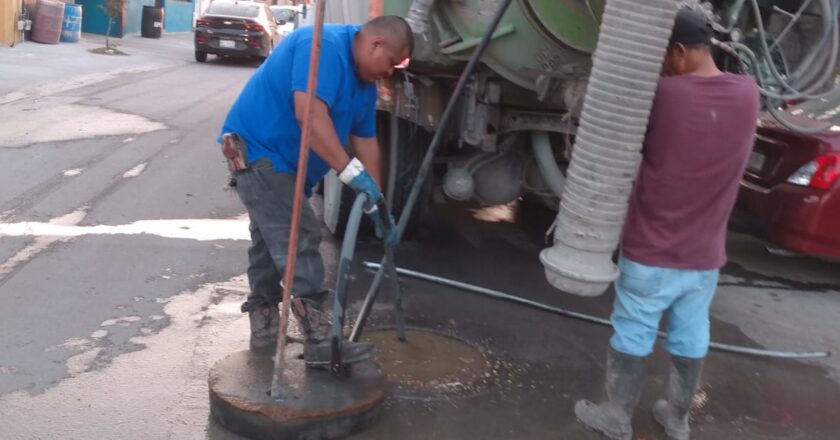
(113,9)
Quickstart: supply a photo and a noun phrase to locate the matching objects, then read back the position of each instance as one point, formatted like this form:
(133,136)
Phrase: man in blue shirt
(267,118)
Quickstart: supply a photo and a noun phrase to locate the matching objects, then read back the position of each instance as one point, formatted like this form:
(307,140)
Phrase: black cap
(691,28)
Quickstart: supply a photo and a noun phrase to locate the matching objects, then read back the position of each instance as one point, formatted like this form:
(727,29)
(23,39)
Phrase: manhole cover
(429,361)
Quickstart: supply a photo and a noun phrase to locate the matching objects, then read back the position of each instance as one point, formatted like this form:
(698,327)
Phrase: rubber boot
(683,381)
(315,325)
(625,377)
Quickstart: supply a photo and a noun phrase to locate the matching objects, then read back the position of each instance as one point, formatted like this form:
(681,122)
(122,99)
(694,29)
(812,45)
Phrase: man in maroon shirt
(699,137)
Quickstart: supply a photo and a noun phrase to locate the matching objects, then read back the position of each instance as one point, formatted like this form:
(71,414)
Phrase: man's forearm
(367,150)
(324,140)
(325,143)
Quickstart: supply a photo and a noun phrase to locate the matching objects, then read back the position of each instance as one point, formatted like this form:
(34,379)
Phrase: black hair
(394,28)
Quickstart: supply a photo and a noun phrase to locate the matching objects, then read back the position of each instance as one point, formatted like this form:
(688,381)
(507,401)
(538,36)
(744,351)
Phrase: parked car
(237,29)
(287,18)
(790,193)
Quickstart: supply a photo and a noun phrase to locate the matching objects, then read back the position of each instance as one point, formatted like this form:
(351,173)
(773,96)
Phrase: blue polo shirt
(264,113)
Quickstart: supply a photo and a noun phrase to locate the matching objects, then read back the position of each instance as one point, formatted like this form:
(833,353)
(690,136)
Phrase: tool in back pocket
(233,148)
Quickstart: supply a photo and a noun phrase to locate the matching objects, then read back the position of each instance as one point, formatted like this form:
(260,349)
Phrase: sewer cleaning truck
(520,115)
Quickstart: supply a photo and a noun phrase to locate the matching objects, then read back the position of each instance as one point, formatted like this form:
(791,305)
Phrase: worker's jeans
(268,196)
(643,293)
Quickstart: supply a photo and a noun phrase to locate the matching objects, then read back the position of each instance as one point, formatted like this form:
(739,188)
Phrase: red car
(790,192)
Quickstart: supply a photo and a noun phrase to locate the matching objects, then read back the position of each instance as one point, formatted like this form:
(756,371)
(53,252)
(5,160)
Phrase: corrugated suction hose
(626,65)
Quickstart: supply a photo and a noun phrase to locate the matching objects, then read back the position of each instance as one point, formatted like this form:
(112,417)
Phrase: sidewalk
(30,69)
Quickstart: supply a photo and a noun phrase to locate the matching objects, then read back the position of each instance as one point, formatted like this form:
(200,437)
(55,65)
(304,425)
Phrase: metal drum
(151,25)
(46,26)
(71,27)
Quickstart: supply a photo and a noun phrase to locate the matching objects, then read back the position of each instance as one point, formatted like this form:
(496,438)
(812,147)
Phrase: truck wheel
(200,56)
(412,142)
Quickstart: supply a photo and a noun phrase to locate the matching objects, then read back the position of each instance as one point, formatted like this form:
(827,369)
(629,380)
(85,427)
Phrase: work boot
(265,324)
(683,381)
(264,320)
(625,377)
(315,325)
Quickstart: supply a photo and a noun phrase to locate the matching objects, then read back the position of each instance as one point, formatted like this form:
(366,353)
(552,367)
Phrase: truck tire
(412,142)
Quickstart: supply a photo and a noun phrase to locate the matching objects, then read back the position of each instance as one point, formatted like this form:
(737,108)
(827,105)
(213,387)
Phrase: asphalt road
(122,260)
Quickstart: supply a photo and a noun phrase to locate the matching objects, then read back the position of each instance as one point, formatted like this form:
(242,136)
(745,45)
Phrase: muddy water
(427,359)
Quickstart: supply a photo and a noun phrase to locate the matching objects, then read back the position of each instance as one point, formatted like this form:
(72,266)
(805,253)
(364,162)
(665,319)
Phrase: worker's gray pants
(268,196)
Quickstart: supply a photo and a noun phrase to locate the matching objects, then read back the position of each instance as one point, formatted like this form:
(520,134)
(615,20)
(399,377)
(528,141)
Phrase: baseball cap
(691,28)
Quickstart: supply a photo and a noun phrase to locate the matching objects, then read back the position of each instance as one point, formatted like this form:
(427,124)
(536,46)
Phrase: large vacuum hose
(626,65)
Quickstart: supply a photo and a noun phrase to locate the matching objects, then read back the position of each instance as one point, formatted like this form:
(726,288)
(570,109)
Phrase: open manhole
(429,363)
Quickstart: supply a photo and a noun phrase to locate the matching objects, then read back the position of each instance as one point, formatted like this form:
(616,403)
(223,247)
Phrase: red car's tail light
(202,22)
(819,173)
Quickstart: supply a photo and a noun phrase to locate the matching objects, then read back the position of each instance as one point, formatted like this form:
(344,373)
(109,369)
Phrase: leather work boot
(265,324)
(315,325)
(625,377)
(264,320)
(683,381)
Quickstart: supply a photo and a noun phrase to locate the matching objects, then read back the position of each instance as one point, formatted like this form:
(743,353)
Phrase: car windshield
(234,9)
(824,110)
(283,14)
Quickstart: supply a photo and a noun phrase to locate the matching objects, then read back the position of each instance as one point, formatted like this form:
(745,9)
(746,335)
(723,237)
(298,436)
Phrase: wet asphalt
(111,336)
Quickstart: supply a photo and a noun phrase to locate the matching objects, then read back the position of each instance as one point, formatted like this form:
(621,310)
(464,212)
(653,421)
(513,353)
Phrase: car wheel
(200,56)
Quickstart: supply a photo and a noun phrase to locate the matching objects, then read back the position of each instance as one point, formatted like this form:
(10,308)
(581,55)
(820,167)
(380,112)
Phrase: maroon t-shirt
(699,138)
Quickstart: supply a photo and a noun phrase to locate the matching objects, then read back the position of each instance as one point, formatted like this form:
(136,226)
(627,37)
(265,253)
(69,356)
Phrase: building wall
(94,20)
(9,12)
(134,14)
(178,15)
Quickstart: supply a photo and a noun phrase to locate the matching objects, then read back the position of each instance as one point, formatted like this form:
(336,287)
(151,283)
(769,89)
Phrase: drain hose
(577,315)
(631,45)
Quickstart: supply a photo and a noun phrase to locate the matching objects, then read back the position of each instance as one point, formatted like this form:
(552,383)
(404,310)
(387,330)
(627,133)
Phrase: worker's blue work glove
(385,229)
(355,176)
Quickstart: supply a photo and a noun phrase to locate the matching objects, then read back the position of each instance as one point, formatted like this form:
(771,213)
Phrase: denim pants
(268,196)
(644,293)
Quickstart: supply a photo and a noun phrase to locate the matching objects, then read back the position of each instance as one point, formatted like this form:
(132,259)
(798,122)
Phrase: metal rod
(300,181)
(394,281)
(393,158)
(512,298)
(472,64)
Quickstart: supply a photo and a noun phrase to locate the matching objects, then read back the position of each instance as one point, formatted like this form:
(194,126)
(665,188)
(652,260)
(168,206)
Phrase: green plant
(113,9)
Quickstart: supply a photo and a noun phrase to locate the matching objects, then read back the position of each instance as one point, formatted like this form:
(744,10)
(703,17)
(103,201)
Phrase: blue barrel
(71,27)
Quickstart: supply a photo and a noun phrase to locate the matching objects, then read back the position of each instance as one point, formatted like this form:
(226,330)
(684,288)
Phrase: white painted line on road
(134,172)
(42,242)
(73,172)
(191,229)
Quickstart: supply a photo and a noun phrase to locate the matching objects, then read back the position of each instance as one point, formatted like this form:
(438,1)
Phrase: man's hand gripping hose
(356,177)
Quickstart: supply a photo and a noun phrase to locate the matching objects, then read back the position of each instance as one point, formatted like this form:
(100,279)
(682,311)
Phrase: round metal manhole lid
(429,363)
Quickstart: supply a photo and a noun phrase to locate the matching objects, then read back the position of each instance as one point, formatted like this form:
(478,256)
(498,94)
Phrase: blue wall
(178,16)
(95,21)
(134,14)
